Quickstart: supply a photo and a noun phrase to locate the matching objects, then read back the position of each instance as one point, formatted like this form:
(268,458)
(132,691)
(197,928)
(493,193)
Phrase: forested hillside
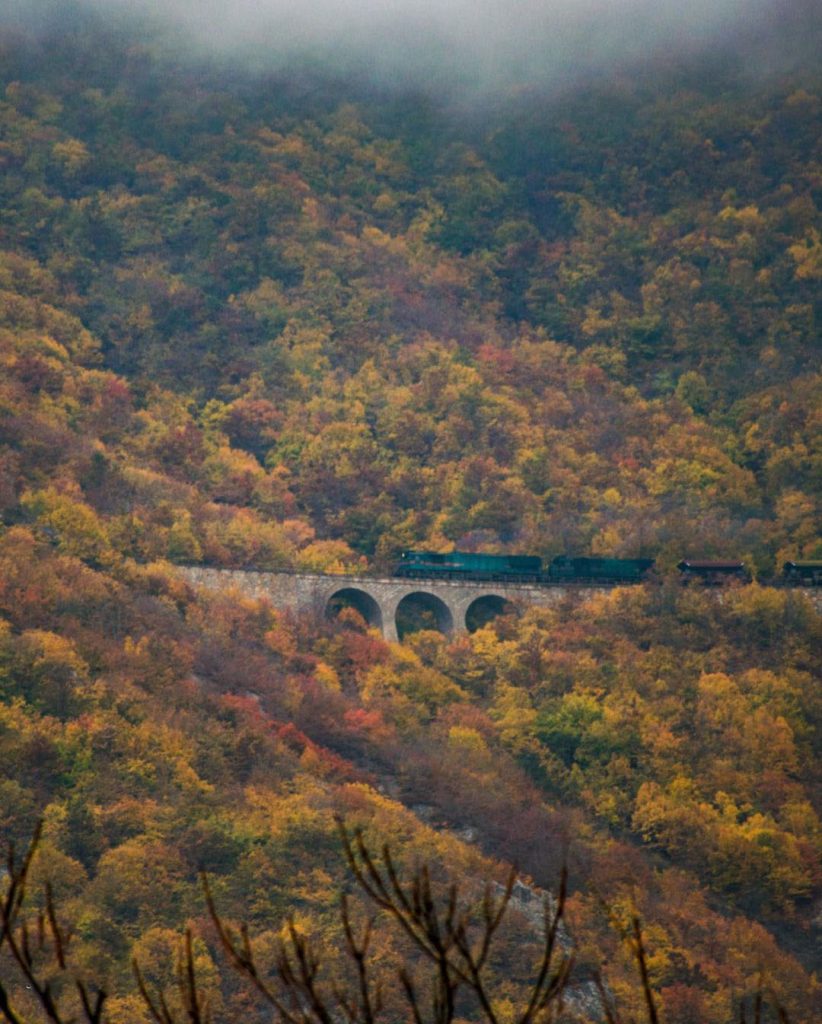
(297,321)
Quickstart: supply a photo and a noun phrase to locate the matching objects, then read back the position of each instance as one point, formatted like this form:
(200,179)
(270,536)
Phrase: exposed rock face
(582,998)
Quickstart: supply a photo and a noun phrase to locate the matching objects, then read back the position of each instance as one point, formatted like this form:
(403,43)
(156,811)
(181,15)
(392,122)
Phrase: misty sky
(469,40)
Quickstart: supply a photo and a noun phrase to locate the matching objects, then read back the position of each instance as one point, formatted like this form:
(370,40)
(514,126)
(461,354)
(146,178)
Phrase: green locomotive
(802,574)
(573,569)
(455,565)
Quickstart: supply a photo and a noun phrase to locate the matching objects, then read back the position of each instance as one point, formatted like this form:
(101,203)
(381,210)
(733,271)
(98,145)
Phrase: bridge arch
(360,600)
(483,609)
(421,609)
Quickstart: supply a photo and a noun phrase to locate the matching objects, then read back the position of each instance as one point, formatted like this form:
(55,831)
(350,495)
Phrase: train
(591,570)
(462,565)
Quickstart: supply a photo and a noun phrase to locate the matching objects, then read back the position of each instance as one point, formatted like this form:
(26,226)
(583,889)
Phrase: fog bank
(471,42)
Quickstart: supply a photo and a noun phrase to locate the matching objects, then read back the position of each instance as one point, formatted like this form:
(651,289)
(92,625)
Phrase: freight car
(460,565)
(802,574)
(571,569)
(713,573)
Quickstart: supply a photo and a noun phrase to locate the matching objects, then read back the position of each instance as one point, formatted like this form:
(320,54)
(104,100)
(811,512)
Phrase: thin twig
(639,950)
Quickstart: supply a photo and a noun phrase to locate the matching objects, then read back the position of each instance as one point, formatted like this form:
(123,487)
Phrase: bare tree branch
(15,933)
(639,951)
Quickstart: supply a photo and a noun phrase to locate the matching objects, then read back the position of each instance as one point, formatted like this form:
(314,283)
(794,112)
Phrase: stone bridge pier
(452,604)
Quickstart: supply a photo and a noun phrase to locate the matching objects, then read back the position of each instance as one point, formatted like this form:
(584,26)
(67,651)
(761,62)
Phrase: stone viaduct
(378,599)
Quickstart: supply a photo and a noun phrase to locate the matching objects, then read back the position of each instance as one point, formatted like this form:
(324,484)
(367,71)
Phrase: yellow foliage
(747,217)
(808,257)
(78,529)
(505,1011)
(461,737)
(327,676)
(67,876)
(280,639)
(183,545)
(594,322)
(514,714)
(330,556)
(72,153)
(407,677)
(127,1010)
(48,653)
(281,815)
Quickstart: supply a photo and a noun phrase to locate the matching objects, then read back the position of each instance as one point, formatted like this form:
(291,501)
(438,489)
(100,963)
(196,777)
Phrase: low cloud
(473,42)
